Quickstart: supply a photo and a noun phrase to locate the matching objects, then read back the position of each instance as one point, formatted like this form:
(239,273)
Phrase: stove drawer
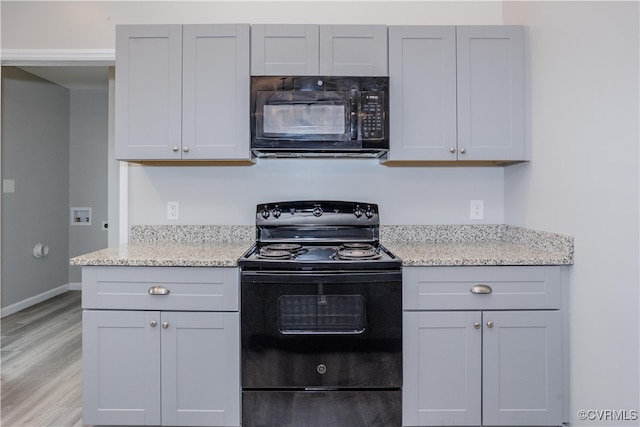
(481,288)
(160,288)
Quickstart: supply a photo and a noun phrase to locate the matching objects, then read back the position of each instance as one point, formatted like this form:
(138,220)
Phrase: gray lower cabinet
(172,365)
(182,92)
(328,50)
(475,358)
(457,93)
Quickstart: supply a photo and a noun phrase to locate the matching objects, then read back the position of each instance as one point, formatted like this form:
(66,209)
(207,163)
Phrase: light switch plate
(8,186)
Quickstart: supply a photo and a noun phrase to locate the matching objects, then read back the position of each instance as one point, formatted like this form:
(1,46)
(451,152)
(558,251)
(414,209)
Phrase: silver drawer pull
(481,289)
(158,290)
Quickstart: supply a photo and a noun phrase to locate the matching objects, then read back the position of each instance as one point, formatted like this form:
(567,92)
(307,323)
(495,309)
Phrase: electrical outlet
(173,211)
(477,209)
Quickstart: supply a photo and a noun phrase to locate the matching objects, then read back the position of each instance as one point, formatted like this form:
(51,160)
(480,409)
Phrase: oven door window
(300,115)
(321,314)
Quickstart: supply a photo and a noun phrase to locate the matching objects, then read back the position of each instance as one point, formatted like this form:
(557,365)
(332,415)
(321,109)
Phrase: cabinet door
(148,112)
(215,120)
(422,88)
(353,50)
(522,368)
(121,367)
(200,369)
(442,363)
(491,93)
(287,49)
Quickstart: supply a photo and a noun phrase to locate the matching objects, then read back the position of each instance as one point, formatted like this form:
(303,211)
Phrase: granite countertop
(176,246)
(167,254)
(416,245)
(477,253)
(455,245)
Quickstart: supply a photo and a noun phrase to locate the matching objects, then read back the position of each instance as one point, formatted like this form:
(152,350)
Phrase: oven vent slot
(321,314)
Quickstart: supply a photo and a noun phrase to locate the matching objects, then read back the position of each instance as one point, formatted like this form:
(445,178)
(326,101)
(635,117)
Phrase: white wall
(90,24)
(583,181)
(228,195)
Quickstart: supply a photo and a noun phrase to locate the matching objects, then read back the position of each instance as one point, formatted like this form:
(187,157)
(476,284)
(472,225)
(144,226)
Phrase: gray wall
(35,153)
(88,170)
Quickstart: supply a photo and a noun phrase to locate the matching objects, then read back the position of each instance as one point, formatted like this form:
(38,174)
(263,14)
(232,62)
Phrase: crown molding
(57,57)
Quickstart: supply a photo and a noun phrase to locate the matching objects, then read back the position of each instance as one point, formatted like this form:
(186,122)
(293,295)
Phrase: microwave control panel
(371,113)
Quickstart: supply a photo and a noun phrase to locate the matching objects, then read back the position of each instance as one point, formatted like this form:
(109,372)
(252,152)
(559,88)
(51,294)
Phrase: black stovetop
(320,257)
(307,235)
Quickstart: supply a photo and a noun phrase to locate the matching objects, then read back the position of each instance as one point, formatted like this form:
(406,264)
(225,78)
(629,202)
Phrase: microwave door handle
(353,118)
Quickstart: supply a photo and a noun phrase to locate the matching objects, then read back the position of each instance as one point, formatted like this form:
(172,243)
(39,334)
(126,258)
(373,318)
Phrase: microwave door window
(300,120)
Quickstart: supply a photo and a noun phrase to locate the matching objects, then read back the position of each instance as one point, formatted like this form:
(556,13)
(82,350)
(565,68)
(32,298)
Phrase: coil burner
(351,254)
(280,251)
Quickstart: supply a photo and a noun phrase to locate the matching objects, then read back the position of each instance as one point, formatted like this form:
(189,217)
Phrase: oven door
(321,330)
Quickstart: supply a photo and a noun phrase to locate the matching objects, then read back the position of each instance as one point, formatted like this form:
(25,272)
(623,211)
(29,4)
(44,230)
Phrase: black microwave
(313,116)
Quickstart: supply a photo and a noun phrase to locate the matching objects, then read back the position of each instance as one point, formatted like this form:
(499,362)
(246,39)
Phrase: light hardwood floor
(41,364)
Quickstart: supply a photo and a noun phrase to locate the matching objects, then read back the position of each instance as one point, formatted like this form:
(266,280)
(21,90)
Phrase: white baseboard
(21,305)
(75,286)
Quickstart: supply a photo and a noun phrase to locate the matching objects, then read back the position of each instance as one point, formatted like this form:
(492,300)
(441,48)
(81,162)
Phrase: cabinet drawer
(511,288)
(189,288)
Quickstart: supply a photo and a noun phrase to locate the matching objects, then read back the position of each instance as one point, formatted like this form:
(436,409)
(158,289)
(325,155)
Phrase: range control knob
(265,212)
(369,212)
(317,211)
(276,212)
(358,211)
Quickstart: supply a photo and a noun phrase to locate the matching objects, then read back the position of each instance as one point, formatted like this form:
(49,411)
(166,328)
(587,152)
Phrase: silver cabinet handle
(175,148)
(158,290)
(452,150)
(165,325)
(463,150)
(153,323)
(481,289)
(476,325)
(490,324)
(185,149)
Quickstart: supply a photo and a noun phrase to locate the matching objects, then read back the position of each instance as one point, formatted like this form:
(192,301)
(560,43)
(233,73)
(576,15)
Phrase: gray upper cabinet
(353,50)
(182,92)
(491,92)
(148,112)
(215,97)
(422,92)
(457,93)
(287,49)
